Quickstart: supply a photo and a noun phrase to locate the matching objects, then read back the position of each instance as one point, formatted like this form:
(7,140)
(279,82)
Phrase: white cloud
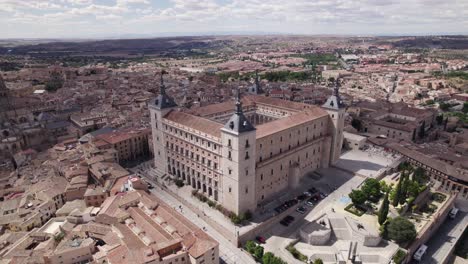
(298,16)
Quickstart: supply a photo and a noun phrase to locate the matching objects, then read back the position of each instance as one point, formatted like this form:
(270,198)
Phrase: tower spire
(162,87)
(163,100)
(336,88)
(238,102)
(238,122)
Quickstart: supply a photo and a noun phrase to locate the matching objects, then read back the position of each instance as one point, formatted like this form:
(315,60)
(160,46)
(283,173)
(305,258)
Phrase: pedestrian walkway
(228,252)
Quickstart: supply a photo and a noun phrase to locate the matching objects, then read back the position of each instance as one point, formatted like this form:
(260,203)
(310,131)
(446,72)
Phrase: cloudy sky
(109,18)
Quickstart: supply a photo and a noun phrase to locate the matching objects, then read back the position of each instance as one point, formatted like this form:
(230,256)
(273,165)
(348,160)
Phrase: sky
(117,18)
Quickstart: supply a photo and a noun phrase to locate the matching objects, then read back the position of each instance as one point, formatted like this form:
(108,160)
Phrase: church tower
(238,162)
(336,110)
(257,88)
(159,107)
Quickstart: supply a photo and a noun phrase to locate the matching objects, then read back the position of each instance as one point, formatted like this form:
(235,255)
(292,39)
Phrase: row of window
(194,157)
(194,139)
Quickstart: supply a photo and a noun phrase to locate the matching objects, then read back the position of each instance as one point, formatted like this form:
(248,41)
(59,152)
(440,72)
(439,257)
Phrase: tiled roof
(198,123)
(290,121)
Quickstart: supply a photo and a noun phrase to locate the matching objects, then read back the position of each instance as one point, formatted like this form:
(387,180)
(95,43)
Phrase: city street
(444,240)
(228,253)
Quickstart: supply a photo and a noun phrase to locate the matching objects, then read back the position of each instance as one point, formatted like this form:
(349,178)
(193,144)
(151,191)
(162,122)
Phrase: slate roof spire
(334,101)
(163,100)
(238,122)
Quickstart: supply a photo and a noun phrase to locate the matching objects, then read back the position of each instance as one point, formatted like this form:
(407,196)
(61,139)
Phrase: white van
(453,213)
(420,252)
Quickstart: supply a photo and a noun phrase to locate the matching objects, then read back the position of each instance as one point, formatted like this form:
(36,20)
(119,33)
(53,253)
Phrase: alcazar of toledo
(242,153)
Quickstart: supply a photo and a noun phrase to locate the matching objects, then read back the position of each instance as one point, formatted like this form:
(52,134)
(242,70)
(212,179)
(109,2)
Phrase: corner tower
(238,162)
(159,107)
(336,110)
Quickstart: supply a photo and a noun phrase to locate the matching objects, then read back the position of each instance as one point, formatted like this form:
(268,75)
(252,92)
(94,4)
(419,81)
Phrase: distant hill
(433,42)
(109,47)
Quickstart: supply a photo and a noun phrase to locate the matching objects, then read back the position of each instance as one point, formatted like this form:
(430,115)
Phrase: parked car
(261,239)
(310,202)
(289,218)
(307,193)
(313,190)
(301,197)
(283,222)
(301,209)
(323,195)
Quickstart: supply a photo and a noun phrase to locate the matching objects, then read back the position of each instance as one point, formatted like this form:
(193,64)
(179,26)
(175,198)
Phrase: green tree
(55,82)
(250,246)
(444,106)
(258,253)
(465,108)
(401,230)
(384,187)
(397,195)
(357,124)
(268,258)
(439,119)
(404,189)
(419,175)
(358,197)
(371,188)
(383,211)
(412,188)
(422,131)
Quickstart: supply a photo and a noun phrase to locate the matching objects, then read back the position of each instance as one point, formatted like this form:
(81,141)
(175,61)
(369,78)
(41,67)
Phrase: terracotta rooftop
(429,161)
(198,123)
(290,121)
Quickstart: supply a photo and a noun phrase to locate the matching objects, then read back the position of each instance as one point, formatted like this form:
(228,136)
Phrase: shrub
(399,256)
(296,254)
(250,246)
(258,253)
(318,261)
(355,209)
(211,203)
(179,183)
(439,197)
(248,215)
(235,219)
(269,258)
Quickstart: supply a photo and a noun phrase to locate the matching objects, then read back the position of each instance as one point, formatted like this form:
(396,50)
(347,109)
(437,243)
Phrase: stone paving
(368,163)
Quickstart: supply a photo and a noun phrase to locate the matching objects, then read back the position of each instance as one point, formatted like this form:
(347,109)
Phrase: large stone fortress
(242,153)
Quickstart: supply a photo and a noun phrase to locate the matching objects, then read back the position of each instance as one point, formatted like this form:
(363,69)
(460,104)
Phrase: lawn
(355,210)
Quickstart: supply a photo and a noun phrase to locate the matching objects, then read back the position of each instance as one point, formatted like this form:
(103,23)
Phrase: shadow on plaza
(357,165)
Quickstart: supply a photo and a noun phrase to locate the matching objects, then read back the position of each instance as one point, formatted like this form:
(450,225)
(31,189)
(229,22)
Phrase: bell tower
(238,160)
(336,110)
(159,107)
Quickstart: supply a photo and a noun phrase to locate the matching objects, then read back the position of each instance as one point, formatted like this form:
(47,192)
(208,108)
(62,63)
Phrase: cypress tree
(404,189)
(396,198)
(383,211)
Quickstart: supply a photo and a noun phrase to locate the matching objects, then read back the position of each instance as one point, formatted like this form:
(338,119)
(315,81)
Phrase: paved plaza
(369,163)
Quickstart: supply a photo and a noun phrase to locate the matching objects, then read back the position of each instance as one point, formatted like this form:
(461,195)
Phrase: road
(443,241)
(228,253)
